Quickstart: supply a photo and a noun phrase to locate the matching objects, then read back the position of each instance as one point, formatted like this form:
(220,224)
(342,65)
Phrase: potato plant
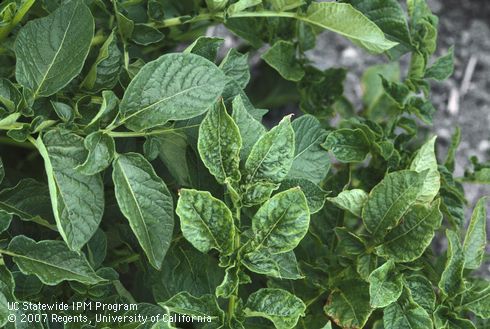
(136,170)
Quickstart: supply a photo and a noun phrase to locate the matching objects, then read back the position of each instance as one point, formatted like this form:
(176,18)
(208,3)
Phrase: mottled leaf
(385,285)
(476,236)
(282,57)
(452,278)
(347,145)
(425,159)
(101,149)
(277,305)
(206,222)
(350,200)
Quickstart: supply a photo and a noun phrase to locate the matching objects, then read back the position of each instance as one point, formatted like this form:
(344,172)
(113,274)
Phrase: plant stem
(126,134)
(8,141)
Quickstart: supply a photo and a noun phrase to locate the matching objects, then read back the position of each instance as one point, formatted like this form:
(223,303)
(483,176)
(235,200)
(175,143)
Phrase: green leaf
(205,47)
(241,5)
(344,19)
(219,144)
(349,243)
(2,171)
(310,159)
(442,68)
(418,224)
(452,278)
(385,285)
(282,57)
(315,196)
(478,301)
(348,145)
(29,200)
(77,200)
(425,159)
(172,87)
(476,236)
(284,5)
(282,266)
(250,129)
(279,306)
(104,73)
(64,111)
(46,67)
(268,163)
(350,200)
(406,315)
(216,4)
(51,261)
(390,199)
(421,291)
(206,222)
(192,271)
(146,202)
(272,155)
(348,304)
(388,15)
(446,319)
(235,66)
(281,222)
(5,220)
(144,34)
(206,305)
(231,281)
(101,149)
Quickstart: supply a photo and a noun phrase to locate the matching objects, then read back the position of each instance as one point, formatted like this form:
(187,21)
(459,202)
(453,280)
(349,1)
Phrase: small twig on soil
(468,74)
(453,102)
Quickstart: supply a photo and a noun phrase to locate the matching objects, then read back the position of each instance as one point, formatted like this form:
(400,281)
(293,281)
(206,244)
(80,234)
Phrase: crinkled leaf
(348,145)
(173,87)
(385,285)
(442,68)
(388,15)
(279,306)
(282,266)
(272,155)
(418,224)
(219,144)
(77,200)
(281,222)
(349,243)
(50,51)
(350,200)
(206,222)
(235,66)
(101,149)
(282,57)
(478,301)
(104,73)
(51,261)
(421,291)
(146,202)
(344,19)
(250,129)
(205,47)
(452,278)
(390,199)
(476,236)
(206,305)
(310,161)
(315,196)
(348,304)
(425,159)
(406,315)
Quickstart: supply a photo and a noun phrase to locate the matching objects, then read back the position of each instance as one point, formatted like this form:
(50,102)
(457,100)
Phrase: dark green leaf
(146,202)
(46,67)
(348,145)
(101,149)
